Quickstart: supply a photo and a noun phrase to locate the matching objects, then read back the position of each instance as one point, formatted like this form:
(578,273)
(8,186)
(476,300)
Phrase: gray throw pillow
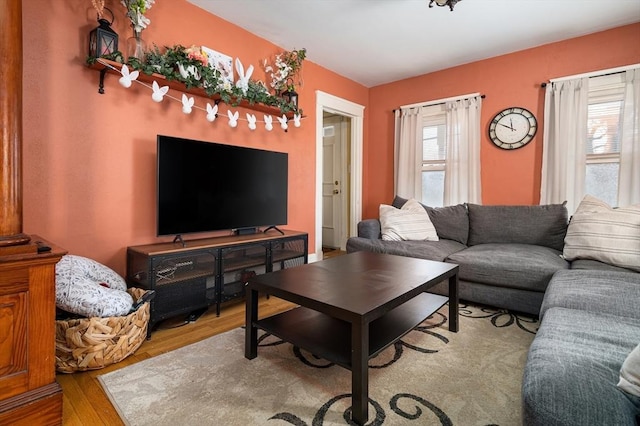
(544,225)
(451,222)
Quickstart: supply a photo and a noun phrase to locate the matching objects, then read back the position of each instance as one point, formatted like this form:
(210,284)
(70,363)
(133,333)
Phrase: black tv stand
(274,227)
(209,271)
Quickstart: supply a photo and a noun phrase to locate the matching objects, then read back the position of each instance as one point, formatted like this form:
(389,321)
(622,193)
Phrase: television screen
(205,186)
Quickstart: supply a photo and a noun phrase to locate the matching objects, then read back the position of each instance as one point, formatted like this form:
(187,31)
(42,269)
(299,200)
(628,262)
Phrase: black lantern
(103,40)
(291,97)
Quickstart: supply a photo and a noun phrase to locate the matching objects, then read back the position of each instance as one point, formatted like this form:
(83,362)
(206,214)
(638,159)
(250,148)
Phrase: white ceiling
(379,41)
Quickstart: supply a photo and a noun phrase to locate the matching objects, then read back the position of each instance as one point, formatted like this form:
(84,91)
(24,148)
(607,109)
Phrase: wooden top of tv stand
(213,242)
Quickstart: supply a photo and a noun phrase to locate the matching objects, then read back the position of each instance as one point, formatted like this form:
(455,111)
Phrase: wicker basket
(93,343)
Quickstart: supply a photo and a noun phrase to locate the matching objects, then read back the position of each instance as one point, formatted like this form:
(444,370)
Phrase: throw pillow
(630,373)
(451,222)
(599,232)
(409,223)
(86,287)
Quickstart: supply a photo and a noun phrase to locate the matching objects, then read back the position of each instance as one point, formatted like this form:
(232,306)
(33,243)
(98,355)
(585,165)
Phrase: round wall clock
(513,128)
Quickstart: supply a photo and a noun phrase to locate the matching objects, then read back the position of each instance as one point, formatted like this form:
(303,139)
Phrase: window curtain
(565,133)
(462,167)
(408,153)
(629,178)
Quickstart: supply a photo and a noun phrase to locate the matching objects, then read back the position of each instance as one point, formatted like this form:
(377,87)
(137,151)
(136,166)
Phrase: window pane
(433,143)
(433,188)
(603,121)
(602,182)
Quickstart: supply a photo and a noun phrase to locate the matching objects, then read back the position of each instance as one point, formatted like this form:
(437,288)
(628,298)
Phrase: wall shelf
(178,86)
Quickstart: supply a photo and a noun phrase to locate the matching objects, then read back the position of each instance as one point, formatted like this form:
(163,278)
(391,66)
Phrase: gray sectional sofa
(507,254)
(590,323)
(511,257)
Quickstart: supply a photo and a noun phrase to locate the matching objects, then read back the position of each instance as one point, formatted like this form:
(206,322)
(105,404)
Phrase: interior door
(332,182)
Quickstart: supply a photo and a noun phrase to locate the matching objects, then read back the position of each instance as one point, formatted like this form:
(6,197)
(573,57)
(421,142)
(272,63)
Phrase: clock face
(513,128)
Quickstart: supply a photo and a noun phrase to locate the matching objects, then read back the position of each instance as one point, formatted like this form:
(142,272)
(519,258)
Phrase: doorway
(335,181)
(344,161)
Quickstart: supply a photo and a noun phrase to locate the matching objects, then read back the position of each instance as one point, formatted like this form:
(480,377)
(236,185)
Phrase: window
(606,96)
(433,155)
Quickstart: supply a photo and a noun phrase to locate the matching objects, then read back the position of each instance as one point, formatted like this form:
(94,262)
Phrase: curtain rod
(440,101)
(601,73)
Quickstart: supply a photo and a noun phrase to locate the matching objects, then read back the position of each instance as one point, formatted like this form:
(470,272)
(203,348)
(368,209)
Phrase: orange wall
(89,159)
(508,177)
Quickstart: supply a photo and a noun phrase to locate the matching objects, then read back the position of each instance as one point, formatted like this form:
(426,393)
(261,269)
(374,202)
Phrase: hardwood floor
(331,252)
(84,401)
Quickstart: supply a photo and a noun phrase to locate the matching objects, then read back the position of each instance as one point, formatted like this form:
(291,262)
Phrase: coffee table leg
(359,372)
(251,332)
(453,303)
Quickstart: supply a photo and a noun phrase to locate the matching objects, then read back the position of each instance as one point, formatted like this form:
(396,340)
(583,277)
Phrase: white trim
(595,73)
(440,101)
(333,104)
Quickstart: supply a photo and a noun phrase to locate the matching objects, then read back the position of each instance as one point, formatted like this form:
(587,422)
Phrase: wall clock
(513,128)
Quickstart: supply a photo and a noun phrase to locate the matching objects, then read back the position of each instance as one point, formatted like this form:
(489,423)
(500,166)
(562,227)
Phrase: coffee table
(351,307)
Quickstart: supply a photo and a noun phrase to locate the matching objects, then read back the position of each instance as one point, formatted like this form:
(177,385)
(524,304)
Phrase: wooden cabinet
(209,271)
(29,393)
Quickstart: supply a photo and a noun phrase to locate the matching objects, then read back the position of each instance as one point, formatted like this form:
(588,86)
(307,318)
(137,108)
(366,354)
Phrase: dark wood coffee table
(351,308)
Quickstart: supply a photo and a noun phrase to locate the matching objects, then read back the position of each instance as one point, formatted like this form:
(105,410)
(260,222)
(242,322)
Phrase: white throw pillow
(599,232)
(630,373)
(86,287)
(409,223)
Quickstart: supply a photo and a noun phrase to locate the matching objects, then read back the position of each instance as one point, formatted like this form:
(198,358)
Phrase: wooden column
(11,124)
(29,393)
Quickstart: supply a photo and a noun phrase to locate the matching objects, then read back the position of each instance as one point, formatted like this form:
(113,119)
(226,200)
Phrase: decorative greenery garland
(166,64)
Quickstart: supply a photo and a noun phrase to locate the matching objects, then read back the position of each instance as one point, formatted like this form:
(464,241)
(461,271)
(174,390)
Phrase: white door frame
(333,104)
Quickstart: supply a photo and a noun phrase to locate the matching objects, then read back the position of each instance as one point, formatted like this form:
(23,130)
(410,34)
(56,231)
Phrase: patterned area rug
(430,377)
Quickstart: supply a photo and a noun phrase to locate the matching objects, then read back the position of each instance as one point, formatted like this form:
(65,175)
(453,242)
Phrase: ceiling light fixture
(449,3)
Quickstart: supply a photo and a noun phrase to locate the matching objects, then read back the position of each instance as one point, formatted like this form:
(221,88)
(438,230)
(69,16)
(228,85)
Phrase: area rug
(430,377)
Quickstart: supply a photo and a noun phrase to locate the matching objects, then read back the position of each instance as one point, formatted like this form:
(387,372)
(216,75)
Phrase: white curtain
(408,153)
(564,151)
(462,167)
(629,178)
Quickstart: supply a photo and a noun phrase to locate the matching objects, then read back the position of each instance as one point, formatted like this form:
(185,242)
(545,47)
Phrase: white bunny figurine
(296,120)
(268,120)
(252,121)
(127,77)
(243,81)
(283,122)
(212,112)
(159,92)
(233,118)
(187,104)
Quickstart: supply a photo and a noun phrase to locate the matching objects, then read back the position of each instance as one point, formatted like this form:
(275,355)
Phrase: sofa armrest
(369,228)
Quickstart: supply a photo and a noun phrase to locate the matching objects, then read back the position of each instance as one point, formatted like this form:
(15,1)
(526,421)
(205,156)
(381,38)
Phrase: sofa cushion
(369,228)
(607,292)
(411,223)
(573,367)
(521,266)
(430,250)
(599,232)
(451,222)
(595,264)
(544,225)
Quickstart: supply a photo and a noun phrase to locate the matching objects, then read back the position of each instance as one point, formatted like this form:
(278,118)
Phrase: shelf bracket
(101,85)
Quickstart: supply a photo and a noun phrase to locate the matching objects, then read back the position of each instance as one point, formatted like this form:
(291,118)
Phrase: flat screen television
(205,186)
